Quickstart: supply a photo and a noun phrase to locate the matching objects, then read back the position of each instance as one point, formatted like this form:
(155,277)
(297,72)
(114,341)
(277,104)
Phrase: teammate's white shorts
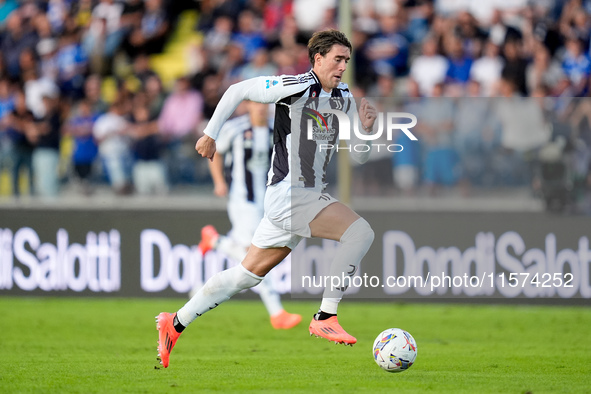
(288,213)
(245,216)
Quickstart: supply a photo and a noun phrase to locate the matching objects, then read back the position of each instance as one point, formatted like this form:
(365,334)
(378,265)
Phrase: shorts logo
(270,83)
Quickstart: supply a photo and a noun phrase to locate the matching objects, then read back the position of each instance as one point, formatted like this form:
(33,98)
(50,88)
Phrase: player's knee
(246,279)
(360,232)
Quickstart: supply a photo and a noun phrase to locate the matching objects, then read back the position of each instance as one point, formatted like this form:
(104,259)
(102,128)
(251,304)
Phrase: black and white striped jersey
(247,152)
(295,157)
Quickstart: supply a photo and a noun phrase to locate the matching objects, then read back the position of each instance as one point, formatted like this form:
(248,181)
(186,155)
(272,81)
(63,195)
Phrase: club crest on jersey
(270,83)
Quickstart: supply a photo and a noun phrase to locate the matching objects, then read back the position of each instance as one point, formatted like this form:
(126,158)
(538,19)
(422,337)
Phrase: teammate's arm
(216,168)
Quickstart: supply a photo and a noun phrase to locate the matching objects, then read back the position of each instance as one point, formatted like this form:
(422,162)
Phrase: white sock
(355,243)
(330,305)
(269,296)
(219,288)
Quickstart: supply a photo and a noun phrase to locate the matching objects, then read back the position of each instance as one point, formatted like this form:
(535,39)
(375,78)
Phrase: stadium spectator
(217,38)
(154,95)
(321,17)
(389,49)
(574,22)
(429,68)
(104,34)
(515,65)
(523,132)
(111,133)
(92,94)
(20,125)
(17,37)
(259,65)
(177,124)
(47,51)
(420,15)
(45,135)
(249,36)
(441,162)
(459,65)
(406,164)
(132,13)
(577,66)
(211,95)
(79,128)
(72,65)
(6,107)
(149,171)
(142,69)
(486,70)
(35,88)
(212,10)
(470,34)
(545,71)
(27,62)
(56,14)
(150,36)
(274,15)
(499,31)
(473,124)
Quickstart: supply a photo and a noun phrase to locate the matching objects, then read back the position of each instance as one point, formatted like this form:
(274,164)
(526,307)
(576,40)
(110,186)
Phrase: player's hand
(205,146)
(367,114)
(220,189)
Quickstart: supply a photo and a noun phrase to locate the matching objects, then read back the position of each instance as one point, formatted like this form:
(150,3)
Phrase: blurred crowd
(434,57)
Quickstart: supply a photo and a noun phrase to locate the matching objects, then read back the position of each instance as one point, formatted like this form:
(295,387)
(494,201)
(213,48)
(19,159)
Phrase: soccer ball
(394,350)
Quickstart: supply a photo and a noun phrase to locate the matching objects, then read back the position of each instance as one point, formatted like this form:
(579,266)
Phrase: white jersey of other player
(247,151)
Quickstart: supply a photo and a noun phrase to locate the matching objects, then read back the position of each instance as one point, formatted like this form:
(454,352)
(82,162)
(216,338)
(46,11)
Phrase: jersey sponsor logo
(271,83)
(322,129)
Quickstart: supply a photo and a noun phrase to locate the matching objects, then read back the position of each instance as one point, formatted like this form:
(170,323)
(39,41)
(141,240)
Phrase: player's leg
(279,317)
(339,223)
(245,217)
(219,288)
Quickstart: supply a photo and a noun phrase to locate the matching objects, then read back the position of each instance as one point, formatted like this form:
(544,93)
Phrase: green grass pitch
(87,345)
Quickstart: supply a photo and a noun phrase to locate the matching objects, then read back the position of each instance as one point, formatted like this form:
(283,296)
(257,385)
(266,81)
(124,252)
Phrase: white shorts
(288,213)
(245,216)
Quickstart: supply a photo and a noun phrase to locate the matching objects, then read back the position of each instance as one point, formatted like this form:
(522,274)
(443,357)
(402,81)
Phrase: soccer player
(244,148)
(295,204)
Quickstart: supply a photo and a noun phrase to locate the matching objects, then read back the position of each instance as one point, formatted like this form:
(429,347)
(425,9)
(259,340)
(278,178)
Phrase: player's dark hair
(322,41)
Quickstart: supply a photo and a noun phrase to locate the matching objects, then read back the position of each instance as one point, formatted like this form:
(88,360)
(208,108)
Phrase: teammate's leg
(340,223)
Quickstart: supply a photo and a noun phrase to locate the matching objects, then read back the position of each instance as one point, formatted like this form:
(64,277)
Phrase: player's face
(330,67)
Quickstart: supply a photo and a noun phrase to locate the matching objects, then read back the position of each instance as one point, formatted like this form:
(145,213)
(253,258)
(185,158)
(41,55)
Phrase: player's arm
(264,90)
(367,118)
(260,89)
